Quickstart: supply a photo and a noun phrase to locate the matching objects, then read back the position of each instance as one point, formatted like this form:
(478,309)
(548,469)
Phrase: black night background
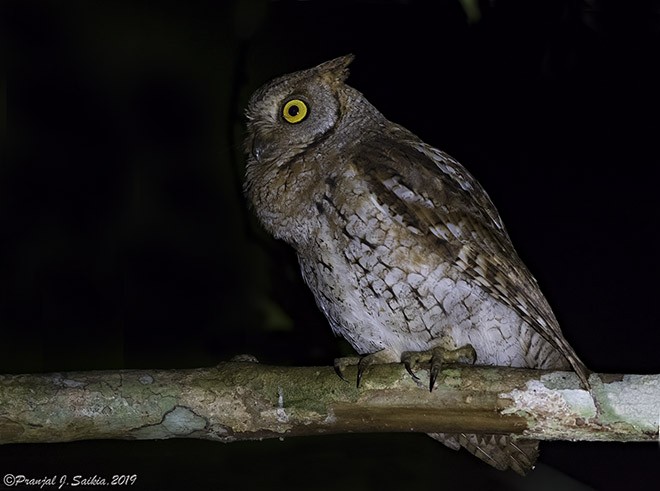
(126,241)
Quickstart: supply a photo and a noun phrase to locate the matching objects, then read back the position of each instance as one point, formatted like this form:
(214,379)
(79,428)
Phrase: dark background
(126,241)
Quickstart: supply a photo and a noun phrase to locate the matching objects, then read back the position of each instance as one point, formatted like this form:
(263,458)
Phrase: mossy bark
(240,400)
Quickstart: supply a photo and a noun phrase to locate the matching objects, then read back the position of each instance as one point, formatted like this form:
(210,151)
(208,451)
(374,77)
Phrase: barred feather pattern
(500,451)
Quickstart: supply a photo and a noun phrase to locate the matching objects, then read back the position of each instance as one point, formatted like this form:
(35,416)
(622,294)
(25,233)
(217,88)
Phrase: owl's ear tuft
(337,68)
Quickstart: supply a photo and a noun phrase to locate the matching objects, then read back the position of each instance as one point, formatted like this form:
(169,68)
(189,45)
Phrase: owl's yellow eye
(294,111)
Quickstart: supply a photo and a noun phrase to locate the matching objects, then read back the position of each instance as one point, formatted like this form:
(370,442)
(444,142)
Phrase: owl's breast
(372,277)
(384,286)
(280,192)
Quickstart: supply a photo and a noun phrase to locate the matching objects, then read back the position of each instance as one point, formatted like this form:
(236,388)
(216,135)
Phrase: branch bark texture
(240,401)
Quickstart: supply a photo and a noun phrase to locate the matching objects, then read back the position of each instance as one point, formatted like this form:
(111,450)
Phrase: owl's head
(298,125)
(292,112)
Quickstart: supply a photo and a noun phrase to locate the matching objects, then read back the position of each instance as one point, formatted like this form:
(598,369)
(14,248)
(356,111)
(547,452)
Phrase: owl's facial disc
(288,115)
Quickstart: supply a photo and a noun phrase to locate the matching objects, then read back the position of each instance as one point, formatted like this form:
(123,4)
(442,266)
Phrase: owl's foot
(342,363)
(244,358)
(363,363)
(436,357)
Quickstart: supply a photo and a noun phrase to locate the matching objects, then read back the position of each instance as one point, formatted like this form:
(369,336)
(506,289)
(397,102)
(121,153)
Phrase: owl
(404,251)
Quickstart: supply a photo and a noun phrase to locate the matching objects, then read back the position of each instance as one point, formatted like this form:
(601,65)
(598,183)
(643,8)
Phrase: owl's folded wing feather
(433,194)
(500,451)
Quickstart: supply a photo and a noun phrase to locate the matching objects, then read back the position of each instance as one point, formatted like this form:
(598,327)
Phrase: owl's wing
(433,195)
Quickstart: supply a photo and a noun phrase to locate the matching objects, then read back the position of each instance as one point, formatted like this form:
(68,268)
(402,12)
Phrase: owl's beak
(257,148)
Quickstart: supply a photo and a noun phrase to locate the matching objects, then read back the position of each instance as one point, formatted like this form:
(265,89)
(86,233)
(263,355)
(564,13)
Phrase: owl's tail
(500,451)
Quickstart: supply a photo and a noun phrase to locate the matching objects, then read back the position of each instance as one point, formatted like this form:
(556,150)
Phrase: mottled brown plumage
(402,248)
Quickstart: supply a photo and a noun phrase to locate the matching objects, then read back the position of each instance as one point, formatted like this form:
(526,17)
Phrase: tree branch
(239,401)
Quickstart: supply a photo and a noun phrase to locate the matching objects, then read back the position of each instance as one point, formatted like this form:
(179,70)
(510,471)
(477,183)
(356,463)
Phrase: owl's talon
(436,366)
(363,363)
(341,364)
(411,360)
(360,371)
(435,358)
(432,378)
(415,359)
(339,371)
(410,371)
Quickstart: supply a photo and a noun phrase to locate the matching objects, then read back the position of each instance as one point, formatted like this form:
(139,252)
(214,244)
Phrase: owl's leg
(364,362)
(436,357)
